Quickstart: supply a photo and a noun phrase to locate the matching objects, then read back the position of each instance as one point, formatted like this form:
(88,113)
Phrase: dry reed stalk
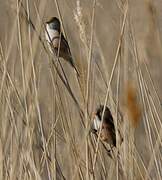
(111,76)
(23,104)
(144,101)
(88,86)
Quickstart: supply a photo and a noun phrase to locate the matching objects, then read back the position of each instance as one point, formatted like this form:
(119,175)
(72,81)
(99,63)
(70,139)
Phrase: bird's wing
(65,44)
(108,117)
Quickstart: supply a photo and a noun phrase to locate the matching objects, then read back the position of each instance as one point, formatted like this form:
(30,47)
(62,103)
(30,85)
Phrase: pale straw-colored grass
(46,109)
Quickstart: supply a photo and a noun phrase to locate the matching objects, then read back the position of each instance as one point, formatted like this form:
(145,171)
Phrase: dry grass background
(44,123)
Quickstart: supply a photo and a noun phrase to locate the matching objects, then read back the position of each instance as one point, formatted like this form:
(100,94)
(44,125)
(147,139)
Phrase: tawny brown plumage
(57,42)
(108,128)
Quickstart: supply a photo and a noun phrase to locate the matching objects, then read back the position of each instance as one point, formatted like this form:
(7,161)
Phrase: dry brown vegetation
(46,111)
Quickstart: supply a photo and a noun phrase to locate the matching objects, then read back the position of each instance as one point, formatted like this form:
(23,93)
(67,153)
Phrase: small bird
(57,42)
(108,129)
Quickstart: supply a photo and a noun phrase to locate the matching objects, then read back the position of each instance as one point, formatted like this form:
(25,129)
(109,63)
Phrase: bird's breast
(96,123)
(51,34)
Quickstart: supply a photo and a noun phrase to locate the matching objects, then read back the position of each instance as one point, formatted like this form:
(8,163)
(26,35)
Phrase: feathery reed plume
(133,107)
(78,17)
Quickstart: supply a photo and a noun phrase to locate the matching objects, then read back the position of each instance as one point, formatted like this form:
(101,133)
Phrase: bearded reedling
(108,129)
(57,42)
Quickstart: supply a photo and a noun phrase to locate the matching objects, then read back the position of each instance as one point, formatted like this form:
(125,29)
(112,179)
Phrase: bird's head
(53,24)
(99,111)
